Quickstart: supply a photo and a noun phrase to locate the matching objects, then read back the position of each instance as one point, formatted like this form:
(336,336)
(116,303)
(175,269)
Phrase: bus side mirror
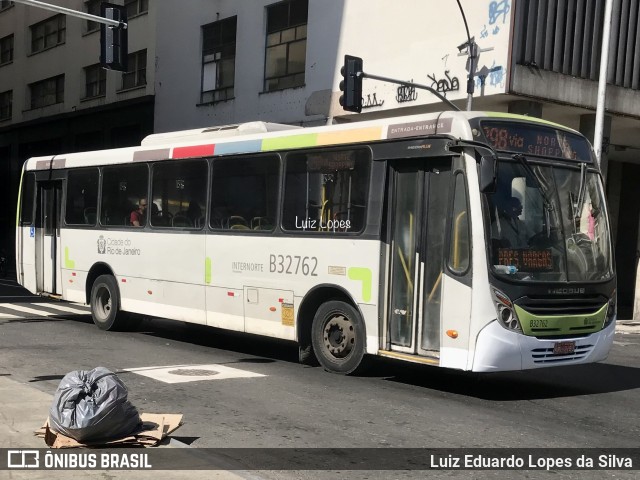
(488,174)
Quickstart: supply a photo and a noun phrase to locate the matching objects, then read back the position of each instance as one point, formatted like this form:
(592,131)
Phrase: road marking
(192,373)
(31,311)
(59,310)
(73,310)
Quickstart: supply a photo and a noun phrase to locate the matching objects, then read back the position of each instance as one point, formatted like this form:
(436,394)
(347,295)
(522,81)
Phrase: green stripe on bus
(68,263)
(18,210)
(363,275)
(294,141)
(552,325)
(207,270)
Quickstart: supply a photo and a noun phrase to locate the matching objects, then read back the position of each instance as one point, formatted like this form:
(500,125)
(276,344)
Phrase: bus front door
(48,237)
(418,218)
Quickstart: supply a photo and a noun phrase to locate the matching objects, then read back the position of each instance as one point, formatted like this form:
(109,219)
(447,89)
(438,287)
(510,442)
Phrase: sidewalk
(627,326)
(24,408)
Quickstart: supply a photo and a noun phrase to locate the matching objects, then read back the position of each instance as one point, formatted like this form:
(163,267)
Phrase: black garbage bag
(92,405)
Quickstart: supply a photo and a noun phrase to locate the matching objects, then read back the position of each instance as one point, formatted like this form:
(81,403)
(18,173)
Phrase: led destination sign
(536,140)
(526,259)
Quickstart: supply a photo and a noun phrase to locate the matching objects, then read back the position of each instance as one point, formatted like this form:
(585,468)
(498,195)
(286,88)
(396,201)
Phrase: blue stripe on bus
(238,147)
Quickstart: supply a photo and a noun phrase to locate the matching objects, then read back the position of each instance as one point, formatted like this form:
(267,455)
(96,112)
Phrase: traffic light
(113,40)
(351,84)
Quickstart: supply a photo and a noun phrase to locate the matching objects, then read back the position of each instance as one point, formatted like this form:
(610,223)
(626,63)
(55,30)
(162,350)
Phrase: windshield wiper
(580,197)
(548,207)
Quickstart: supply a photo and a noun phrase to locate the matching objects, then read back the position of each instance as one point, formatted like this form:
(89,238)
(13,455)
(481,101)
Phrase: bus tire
(306,356)
(338,337)
(105,303)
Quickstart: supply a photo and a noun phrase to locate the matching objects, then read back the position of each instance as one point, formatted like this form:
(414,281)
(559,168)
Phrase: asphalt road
(251,392)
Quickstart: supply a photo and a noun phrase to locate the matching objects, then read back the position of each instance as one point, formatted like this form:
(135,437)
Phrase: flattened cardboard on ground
(155,427)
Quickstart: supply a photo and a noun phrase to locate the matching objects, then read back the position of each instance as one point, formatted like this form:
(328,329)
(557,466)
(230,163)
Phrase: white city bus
(468,240)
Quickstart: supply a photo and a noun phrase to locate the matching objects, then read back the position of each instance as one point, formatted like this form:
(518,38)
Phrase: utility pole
(602,82)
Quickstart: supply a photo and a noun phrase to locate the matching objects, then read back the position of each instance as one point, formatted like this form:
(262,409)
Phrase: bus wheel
(306,356)
(105,299)
(338,338)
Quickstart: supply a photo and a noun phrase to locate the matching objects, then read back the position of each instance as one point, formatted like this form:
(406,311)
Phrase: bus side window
(82,197)
(244,193)
(178,194)
(460,235)
(26,207)
(326,191)
(123,186)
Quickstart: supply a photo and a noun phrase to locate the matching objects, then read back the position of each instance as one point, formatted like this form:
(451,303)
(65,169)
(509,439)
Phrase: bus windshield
(548,223)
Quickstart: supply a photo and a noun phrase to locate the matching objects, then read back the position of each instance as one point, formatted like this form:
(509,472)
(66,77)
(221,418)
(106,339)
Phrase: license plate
(564,348)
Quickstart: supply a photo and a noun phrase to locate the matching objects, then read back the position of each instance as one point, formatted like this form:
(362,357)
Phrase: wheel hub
(104,303)
(339,336)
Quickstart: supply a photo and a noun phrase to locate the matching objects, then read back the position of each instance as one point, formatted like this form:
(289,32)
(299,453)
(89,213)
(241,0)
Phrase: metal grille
(565,36)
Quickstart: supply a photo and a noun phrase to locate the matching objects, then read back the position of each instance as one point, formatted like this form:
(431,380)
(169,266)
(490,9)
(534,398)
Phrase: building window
(136,75)
(218,60)
(48,33)
(136,7)
(93,7)
(47,92)
(6,100)
(6,49)
(95,81)
(4,4)
(286,45)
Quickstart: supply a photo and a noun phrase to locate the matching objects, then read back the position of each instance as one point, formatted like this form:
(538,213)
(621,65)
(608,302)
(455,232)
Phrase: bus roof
(255,137)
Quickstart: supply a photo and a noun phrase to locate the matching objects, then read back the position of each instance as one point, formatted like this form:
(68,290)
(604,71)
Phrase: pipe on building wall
(602,81)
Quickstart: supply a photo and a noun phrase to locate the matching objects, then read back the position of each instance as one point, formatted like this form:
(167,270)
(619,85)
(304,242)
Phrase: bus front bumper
(499,349)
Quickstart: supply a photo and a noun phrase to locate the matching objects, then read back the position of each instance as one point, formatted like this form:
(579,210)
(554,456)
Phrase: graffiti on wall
(406,93)
(371,101)
(444,85)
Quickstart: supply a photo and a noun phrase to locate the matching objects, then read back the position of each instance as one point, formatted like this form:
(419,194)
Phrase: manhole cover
(194,372)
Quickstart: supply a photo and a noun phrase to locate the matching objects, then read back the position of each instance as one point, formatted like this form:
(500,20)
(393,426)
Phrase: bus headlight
(506,313)
(611,310)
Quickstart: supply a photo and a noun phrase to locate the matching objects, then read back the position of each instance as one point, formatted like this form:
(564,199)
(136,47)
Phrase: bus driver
(512,230)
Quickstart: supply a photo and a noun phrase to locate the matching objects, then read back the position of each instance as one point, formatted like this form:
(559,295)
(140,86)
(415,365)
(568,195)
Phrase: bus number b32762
(293,265)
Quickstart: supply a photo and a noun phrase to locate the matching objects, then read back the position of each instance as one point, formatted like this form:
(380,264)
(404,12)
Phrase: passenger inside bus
(138,216)
(194,214)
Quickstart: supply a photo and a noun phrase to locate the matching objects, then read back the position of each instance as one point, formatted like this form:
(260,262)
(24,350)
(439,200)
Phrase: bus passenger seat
(261,223)
(181,221)
(238,223)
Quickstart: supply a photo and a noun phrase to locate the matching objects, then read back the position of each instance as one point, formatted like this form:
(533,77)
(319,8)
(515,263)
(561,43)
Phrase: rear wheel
(338,337)
(105,303)
(306,355)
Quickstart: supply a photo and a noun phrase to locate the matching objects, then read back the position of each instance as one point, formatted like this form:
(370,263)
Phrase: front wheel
(105,304)
(338,337)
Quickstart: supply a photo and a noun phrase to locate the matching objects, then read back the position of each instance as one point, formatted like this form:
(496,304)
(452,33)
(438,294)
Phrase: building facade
(217,62)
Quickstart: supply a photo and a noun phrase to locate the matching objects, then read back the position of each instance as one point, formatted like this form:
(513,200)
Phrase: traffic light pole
(73,13)
(411,84)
